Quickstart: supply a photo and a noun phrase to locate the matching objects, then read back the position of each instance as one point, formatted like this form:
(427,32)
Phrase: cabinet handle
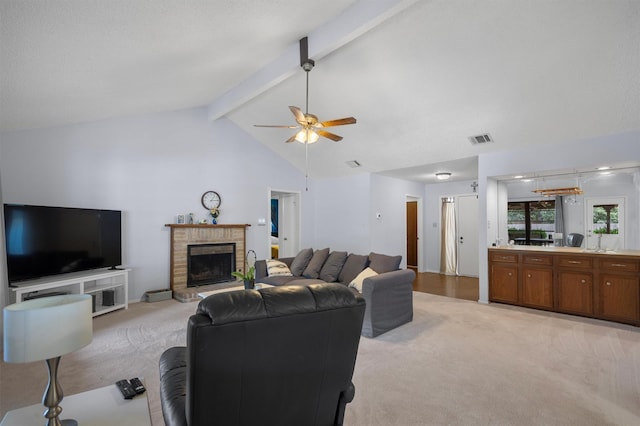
(510,274)
(576,262)
(528,275)
(583,281)
(535,259)
(608,283)
(619,265)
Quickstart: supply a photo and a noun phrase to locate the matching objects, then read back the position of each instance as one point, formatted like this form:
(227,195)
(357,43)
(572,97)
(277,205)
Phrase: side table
(99,407)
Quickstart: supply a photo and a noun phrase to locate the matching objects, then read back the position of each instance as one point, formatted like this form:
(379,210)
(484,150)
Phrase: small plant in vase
(214,212)
(249,278)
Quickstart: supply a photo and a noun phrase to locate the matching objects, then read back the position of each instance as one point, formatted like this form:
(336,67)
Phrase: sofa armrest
(388,282)
(389,298)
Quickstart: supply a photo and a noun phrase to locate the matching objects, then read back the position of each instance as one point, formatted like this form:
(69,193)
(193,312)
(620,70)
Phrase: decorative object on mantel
(214,212)
(250,277)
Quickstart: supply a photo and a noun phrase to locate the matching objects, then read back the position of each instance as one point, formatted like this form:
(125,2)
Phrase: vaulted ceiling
(420,76)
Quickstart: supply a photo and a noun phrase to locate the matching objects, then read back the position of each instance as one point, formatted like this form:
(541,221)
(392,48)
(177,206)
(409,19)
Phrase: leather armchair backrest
(281,355)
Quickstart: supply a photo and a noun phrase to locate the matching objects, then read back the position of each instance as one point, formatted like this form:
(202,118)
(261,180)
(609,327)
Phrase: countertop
(568,250)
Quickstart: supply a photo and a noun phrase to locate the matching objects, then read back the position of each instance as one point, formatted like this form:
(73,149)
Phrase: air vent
(480,139)
(353,164)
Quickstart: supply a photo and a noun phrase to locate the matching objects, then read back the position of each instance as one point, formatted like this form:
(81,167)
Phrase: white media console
(109,288)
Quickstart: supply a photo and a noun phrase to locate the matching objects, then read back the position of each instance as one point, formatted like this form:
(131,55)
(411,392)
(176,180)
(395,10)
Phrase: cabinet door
(537,287)
(575,292)
(619,297)
(503,285)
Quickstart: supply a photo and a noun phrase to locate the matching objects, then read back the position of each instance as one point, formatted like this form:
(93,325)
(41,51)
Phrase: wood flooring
(447,285)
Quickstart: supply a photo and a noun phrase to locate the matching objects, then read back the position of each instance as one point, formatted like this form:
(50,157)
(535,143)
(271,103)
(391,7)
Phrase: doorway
(412,233)
(284,220)
(605,223)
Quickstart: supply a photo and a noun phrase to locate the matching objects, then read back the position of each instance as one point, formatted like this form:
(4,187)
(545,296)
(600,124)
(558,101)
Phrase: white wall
(151,167)
(389,199)
(342,214)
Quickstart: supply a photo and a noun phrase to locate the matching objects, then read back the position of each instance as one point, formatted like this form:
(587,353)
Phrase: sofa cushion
(276,268)
(357,281)
(354,264)
(382,263)
(315,264)
(301,261)
(332,266)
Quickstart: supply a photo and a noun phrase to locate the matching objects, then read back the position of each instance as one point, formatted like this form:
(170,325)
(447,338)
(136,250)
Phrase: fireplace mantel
(184,235)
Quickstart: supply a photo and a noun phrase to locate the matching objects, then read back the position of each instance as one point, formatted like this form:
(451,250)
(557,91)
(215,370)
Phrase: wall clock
(211,200)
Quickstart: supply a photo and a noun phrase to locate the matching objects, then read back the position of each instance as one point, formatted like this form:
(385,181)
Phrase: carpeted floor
(458,363)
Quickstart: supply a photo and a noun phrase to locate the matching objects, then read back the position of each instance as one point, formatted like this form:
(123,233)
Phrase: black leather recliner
(276,356)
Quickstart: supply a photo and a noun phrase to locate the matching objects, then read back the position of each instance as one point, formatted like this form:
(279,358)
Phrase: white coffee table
(99,407)
(258,286)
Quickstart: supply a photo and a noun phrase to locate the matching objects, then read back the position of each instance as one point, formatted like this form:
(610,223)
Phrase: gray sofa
(388,291)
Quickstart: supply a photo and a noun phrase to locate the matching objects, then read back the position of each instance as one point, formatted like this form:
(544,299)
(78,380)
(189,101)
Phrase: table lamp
(45,329)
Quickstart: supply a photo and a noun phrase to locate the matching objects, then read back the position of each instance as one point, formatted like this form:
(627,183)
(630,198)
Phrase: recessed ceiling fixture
(603,168)
(443,175)
(480,139)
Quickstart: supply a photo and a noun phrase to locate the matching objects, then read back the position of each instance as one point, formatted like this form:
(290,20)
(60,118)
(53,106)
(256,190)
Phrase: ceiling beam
(355,21)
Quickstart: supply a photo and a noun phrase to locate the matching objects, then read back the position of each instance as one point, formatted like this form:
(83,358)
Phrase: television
(43,241)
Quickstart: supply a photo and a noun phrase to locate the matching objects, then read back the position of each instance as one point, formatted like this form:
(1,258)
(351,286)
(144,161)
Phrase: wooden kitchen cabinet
(568,280)
(575,292)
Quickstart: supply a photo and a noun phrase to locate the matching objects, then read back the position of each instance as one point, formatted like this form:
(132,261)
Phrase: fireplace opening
(210,263)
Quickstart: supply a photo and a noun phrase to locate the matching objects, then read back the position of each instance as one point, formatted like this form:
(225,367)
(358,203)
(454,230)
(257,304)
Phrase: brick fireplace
(183,236)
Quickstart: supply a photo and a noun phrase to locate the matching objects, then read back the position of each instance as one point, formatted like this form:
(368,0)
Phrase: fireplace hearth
(210,263)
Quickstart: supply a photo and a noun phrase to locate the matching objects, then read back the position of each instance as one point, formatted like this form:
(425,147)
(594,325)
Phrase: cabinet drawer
(575,262)
(504,257)
(619,265)
(532,259)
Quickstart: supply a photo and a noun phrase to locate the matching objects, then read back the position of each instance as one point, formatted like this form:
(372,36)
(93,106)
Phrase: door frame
(419,214)
(296,237)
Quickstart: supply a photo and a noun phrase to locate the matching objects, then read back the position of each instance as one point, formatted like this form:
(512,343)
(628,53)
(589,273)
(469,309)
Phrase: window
(605,219)
(531,222)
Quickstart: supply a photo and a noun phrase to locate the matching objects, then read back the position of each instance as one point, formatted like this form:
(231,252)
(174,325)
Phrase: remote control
(125,387)
(137,385)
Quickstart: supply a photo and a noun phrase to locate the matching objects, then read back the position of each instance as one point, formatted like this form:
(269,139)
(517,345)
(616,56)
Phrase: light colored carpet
(457,363)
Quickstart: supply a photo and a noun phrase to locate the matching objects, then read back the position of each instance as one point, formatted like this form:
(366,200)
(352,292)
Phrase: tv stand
(109,288)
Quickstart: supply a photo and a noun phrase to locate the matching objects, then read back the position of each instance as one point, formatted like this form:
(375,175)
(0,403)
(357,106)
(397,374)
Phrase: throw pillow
(382,263)
(315,264)
(352,267)
(332,266)
(357,282)
(276,268)
(301,261)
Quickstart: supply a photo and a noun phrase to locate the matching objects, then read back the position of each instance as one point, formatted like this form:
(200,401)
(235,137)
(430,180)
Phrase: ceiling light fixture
(443,175)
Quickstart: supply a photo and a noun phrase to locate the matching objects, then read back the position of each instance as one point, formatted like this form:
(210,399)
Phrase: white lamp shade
(47,327)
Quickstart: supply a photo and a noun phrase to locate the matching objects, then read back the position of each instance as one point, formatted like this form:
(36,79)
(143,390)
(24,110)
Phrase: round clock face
(210,200)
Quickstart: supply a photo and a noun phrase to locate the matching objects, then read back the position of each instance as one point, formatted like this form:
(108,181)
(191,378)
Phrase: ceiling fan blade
(329,135)
(339,122)
(270,125)
(291,139)
(297,112)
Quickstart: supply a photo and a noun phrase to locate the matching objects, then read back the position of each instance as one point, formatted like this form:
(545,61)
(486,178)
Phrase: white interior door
(467,238)
(605,223)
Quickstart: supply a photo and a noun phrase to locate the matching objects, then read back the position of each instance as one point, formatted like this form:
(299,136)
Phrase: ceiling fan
(310,126)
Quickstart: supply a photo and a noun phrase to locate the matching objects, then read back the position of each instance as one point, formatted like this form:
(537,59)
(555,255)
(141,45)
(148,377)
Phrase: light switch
(262,221)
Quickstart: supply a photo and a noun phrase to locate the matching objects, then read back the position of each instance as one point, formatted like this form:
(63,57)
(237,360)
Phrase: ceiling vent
(480,139)
(353,164)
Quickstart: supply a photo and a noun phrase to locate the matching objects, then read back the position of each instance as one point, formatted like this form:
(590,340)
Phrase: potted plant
(249,278)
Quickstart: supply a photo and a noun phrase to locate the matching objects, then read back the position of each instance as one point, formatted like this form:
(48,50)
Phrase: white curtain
(448,252)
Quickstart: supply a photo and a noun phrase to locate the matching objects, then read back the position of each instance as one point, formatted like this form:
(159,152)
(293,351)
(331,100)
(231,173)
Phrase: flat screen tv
(43,241)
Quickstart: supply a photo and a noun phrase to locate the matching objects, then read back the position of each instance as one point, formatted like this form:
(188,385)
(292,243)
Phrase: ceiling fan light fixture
(443,175)
(307,136)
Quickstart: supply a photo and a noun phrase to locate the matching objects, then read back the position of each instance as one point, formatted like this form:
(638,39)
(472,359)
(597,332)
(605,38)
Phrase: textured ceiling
(420,76)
